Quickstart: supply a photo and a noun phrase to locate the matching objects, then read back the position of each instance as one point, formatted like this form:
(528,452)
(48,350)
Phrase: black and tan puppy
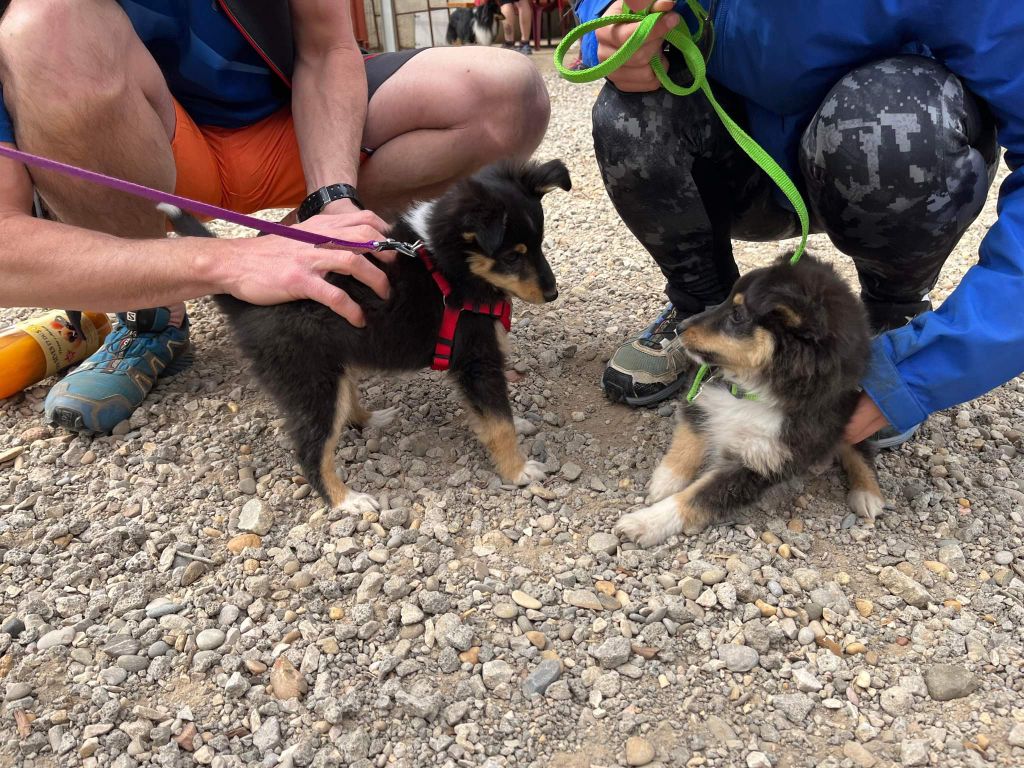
(485,237)
(790,346)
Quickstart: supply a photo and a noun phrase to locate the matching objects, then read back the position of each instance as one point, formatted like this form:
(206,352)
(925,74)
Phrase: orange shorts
(243,169)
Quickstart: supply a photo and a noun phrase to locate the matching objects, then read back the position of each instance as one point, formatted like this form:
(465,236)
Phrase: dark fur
(814,372)
(820,345)
(301,350)
(460,23)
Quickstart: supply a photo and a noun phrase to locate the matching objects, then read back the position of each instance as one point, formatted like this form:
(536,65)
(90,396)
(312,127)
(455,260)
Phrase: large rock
(256,517)
(904,587)
(738,658)
(613,652)
(547,672)
(949,681)
(795,706)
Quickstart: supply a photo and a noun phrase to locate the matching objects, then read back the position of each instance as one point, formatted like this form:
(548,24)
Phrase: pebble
(209,639)
(601,542)
(914,752)
(542,676)
(757,759)
(1016,736)
(806,681)
(243,541)
(505,610)
(55,637)
(738,658)
(859,754)
(13,626)
(16,691)
(713,576)
(525,600)
(496,673)
(1003,557)
(805,636)
(613,652)
(256,517)
(287,682)
(571,471)
(133,663)
(904,587)
(795,706)
(582,598)
(639,751)
(949,681)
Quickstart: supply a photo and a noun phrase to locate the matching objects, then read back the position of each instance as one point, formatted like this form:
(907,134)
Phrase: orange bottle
(39,347)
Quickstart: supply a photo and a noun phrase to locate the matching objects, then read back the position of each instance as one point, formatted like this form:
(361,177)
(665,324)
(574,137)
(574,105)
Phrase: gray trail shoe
(651,367)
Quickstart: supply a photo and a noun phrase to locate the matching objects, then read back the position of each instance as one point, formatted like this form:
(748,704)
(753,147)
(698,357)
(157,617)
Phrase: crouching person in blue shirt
(889,116)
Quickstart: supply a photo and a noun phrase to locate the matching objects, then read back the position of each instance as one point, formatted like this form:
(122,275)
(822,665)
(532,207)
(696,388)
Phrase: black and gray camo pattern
(896,164)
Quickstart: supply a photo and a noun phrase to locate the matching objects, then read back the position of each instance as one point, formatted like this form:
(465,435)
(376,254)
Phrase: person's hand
(274,270)
(636,75)
(866,420)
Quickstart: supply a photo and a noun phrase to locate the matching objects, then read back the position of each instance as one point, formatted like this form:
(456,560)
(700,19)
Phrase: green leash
(680,38)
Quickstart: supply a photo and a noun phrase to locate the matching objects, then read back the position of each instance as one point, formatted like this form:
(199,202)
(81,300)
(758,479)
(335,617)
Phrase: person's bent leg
(898,161)
(81,88)
(446,113)
(679,183)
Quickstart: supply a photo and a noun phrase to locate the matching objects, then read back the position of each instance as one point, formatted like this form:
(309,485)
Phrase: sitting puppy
(483,240)
(473,26)
(790,346)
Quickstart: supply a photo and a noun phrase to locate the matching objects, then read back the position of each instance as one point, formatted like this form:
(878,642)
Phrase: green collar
(699,382)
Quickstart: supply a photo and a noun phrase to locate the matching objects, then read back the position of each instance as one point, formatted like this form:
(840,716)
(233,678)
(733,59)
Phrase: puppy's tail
(185,224)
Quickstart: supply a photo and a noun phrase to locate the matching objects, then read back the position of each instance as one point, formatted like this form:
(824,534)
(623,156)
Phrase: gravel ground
(175,595)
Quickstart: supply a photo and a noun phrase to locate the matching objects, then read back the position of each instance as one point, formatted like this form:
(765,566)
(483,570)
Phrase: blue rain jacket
(783,56)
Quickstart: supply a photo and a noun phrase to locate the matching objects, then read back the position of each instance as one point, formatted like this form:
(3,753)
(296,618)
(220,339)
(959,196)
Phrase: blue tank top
(211,69)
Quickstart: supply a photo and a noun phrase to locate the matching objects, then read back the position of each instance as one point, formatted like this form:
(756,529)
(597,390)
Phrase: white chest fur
(484,35)
(748,429)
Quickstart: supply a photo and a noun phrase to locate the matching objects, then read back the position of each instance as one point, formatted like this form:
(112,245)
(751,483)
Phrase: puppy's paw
(532,471)
(382,418)
(358,503)
(651,525)
(664,483)
(866,504)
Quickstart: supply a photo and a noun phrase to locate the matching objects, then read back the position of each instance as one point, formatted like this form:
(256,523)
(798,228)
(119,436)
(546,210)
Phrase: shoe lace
(665,328)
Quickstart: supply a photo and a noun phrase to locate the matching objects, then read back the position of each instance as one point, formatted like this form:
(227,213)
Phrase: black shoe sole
(69,420)
(617,394)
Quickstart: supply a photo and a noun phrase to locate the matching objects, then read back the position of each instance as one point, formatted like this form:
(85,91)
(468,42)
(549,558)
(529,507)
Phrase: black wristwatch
(316,201)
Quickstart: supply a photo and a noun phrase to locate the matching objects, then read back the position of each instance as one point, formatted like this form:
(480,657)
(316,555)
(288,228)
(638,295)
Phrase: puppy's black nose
(551,295)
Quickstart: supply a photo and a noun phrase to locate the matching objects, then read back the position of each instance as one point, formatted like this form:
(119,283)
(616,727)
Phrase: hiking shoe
(652,367)
(890,437)
(107,387)
(526,49)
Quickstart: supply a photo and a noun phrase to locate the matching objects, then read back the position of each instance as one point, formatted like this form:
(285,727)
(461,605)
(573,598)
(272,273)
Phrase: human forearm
(329,108)
(46,264)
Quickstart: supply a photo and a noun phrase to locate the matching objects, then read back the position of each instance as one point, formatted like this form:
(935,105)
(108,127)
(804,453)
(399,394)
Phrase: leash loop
(686,44)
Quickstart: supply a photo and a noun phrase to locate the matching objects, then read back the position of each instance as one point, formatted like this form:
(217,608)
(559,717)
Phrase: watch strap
(319,199)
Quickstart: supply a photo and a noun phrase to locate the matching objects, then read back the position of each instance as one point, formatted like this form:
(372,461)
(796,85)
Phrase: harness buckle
(409,249)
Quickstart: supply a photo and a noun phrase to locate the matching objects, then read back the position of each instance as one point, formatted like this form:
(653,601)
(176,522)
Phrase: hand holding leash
(636,74)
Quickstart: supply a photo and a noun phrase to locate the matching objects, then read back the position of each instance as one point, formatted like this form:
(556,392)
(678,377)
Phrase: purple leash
(205,209)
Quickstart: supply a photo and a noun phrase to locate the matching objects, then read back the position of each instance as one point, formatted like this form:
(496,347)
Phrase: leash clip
(409,249)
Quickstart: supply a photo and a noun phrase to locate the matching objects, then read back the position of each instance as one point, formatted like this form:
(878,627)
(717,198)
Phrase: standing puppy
(483,242)
(790,346)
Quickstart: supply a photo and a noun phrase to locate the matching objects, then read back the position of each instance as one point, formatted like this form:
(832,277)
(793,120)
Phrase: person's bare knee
(66,55)
(517,108)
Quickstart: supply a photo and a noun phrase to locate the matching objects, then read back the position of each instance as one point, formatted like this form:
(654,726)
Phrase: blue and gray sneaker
(651,367)
(107,387)
(890,437)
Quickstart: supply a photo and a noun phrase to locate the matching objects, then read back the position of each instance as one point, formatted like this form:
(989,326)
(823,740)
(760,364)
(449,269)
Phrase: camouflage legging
(895,164)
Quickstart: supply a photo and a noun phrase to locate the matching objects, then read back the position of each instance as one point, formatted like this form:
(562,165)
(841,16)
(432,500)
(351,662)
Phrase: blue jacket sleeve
(975,341)
(588,10)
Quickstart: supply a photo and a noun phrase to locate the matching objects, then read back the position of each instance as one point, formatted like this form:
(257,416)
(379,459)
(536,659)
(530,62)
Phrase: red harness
(500,310)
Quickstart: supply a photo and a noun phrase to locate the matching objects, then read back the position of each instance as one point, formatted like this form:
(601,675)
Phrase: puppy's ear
(487,231)
(541,179)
